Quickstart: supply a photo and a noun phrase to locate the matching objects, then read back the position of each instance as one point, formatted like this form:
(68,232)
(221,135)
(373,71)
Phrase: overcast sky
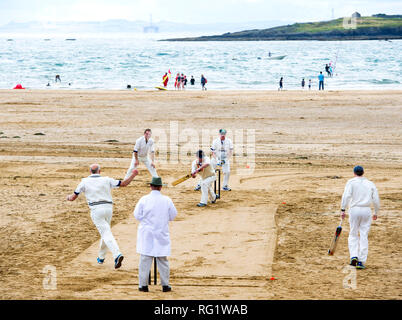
(190,11)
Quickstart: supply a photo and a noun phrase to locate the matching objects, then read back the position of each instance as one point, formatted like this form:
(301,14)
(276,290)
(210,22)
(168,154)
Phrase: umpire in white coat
(359,194)
(154,211)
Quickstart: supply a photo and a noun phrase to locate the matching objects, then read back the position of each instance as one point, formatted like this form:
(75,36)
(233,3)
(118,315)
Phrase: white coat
(154,211)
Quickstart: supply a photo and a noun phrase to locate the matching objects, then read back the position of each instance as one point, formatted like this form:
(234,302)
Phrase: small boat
(276,57)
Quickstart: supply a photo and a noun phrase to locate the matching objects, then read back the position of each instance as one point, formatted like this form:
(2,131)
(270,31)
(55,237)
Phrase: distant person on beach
(48,84)
(57,78)
(303,83)
(269,54)
(321,81)
(165,80)
(185,81)
(309,84)
(182,81)
(280,84)
(203,82)
(176,80)
(192,81)
(327,70)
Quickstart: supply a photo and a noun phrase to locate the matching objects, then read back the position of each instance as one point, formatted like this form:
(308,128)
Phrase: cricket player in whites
(144,151)
(98,193)
(359,194)
(222,150)
(202,166)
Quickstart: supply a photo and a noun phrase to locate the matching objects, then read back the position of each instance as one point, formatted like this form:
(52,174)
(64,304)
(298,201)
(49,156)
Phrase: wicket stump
(219,183)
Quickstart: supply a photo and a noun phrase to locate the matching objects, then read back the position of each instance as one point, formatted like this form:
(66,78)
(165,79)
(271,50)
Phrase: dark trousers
(321,85)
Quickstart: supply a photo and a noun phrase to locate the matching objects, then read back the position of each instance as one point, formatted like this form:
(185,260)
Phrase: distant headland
(375,27)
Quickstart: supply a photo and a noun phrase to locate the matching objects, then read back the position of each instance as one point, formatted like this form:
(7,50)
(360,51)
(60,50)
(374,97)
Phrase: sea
(115,61)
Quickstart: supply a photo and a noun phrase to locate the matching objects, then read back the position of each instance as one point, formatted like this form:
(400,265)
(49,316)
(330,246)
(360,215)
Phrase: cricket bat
(182,179)
(334,242)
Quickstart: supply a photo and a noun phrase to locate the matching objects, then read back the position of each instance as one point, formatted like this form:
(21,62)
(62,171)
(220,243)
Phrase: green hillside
(367,28)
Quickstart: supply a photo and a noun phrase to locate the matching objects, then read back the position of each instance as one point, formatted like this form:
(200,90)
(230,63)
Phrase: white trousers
(145,160)
(102,216)
(360,222)
(225,170)
(207,189)
(162,264)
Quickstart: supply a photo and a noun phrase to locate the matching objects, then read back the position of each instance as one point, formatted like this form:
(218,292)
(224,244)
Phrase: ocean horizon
(113,61)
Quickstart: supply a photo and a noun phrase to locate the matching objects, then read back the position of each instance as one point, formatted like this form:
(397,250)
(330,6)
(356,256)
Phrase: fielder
(154,211)
(202,166)
(359,194)
(97,191)
(222,150)
(144,151)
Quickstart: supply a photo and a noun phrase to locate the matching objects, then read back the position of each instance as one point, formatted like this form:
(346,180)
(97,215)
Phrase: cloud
(199,11)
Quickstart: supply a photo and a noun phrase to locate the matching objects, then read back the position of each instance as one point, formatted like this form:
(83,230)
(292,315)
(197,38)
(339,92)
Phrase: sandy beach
(277,222)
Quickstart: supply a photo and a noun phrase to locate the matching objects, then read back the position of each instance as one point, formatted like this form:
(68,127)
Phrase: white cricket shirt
(360,192)
(97,189)
(222,148)
(142,147)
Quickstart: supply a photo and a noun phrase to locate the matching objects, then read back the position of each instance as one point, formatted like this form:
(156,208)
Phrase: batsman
(202,166)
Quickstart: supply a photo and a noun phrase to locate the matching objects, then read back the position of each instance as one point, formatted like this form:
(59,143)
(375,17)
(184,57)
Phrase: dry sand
(277,222)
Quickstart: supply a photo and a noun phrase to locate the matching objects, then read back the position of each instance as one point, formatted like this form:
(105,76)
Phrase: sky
(190,11)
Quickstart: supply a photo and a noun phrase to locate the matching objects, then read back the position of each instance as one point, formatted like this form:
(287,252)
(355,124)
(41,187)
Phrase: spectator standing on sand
(192,81)
(203,82)
(303,83)
(182,81)
(321,81)
(185,81)
(309,84)
(165,79)
(280,84)
(176,81)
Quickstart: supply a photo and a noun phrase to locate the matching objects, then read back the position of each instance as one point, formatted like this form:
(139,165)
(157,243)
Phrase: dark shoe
(226,188)
(216,198)
(353,261)
(166,288)
(100,261)
(360,265)
(143,289)
(197,188)
(117,261)
(201,205)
